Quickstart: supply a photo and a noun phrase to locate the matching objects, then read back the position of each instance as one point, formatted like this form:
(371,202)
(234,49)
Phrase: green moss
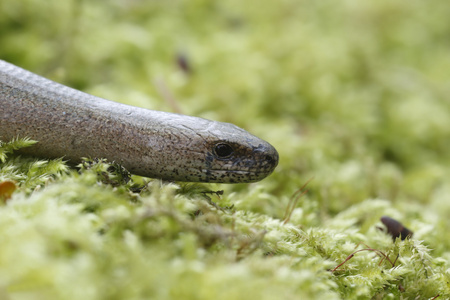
(353,95)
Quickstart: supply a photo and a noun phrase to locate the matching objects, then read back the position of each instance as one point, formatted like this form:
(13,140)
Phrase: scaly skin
(72,124)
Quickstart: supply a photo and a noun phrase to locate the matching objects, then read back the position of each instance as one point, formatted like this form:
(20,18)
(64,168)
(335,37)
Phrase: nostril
(269,158)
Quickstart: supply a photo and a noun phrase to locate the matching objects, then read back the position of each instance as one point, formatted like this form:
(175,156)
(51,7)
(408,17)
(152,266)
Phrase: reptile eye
(223,150)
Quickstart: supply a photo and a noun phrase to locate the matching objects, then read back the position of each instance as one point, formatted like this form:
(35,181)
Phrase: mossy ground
(353,94)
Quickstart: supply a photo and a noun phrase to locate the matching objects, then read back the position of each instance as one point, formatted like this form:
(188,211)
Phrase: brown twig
(378,252)
(294,200)
(167,95)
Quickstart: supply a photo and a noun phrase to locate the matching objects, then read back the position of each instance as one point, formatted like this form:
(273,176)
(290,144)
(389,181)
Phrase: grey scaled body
(72,124)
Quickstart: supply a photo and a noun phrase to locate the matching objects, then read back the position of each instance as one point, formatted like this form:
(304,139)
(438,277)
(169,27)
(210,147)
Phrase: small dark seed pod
(395,228)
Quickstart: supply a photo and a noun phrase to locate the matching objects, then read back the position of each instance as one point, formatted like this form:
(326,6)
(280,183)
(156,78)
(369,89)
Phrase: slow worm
(72,124)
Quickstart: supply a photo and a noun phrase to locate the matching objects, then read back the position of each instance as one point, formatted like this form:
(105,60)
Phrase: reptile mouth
(233,176)
(224,171)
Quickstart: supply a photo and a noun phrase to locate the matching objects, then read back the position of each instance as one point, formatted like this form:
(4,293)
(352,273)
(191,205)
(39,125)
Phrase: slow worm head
(72,124)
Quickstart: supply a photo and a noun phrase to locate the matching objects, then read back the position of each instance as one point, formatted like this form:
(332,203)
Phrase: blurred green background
(354,94)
